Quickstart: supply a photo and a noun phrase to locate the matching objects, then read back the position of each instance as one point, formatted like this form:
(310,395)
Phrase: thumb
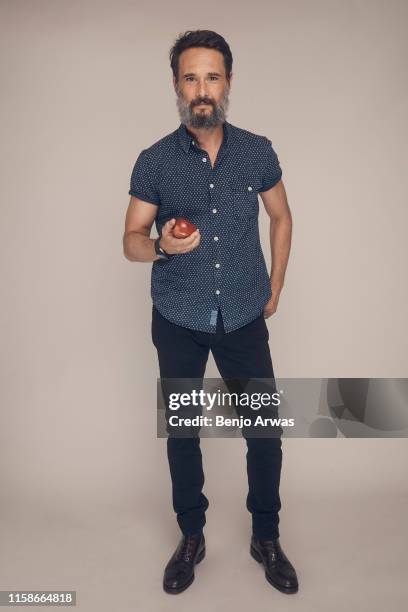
(168,225)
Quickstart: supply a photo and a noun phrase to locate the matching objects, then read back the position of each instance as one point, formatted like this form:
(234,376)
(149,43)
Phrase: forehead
(200,59)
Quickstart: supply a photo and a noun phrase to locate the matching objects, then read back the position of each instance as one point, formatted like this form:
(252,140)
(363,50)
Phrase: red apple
(183,228)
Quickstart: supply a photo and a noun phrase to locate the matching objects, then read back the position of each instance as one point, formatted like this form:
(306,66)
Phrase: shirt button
(211,185)
(217,265)
(214,210)
(250,188)
(217,292)
(193,142)
(204,159)
(215,237)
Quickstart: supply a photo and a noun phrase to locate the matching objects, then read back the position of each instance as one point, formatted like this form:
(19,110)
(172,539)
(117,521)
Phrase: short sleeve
(143,182)
(272,171)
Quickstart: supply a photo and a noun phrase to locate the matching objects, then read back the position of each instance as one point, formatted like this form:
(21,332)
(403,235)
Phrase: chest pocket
(244,196)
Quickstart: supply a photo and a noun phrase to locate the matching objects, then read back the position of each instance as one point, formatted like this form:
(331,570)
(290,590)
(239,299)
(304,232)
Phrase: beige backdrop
(84,481)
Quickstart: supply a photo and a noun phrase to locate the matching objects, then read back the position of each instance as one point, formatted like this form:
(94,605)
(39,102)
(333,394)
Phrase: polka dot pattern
(227,270)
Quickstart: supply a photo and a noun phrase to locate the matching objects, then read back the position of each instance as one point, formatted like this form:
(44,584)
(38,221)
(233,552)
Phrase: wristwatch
(159,251)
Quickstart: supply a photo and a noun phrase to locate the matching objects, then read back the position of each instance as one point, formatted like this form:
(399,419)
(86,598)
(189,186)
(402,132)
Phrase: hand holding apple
(179,236)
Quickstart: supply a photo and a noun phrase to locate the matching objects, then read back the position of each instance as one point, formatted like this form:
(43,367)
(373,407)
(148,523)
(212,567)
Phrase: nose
(201,89)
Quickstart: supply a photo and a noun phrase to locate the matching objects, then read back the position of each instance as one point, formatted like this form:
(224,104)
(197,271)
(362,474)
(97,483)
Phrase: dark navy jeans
(183,353)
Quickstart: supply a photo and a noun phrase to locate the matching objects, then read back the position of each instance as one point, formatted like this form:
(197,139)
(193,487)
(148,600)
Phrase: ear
(174,82)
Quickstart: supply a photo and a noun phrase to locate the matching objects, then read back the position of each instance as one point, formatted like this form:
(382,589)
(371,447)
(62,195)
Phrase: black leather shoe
(279,571)
(179,572)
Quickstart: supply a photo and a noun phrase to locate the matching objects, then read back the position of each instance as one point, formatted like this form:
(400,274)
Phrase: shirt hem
(213,331)
(270,185)
(142,196)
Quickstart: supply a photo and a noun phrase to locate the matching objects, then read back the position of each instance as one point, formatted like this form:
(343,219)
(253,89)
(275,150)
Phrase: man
(211,290)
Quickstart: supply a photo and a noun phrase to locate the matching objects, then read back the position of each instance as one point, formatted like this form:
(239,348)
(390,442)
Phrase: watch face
(161,253)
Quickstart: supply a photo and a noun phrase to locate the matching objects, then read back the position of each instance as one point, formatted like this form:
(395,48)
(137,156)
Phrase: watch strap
(159,250)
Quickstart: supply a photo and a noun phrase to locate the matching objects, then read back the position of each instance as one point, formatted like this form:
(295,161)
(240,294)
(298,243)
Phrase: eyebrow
(208,73)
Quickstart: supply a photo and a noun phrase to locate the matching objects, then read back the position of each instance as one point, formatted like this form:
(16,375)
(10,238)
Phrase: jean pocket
(261,327)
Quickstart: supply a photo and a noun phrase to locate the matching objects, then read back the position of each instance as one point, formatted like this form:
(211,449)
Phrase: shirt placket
(212,188)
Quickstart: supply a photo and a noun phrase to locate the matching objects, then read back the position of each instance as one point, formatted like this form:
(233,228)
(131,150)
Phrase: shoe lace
(187,548)
(272,549)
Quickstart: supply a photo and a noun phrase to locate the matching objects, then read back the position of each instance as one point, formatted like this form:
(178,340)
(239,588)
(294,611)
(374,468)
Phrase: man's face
(202,89)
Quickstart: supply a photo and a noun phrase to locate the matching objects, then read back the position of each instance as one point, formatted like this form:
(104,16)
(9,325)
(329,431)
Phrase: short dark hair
(200,38)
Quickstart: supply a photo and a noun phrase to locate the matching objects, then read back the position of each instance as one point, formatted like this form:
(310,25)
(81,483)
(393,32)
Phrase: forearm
(280,240)
(138,247)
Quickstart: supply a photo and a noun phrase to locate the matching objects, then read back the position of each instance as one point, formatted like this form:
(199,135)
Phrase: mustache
(202,101)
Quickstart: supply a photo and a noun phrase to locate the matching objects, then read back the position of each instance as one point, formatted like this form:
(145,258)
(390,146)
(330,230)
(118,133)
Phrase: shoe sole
(288,591)
(185,586)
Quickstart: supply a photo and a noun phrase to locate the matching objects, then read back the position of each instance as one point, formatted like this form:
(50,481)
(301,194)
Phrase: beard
(202,118)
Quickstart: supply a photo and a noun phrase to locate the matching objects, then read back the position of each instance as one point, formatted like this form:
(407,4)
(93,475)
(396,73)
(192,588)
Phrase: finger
(168,226)
(193,245)
(189,239)
(196,240)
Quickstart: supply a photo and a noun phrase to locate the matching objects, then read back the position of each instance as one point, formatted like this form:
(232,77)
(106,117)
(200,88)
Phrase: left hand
(271,306)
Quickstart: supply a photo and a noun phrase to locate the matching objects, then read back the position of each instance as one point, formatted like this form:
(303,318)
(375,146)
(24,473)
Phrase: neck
(207,137)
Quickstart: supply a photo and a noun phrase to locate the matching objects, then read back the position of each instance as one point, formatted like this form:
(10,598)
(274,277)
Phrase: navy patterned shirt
(227,270)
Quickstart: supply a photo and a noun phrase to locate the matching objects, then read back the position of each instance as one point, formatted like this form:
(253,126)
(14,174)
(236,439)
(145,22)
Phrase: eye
(189,77)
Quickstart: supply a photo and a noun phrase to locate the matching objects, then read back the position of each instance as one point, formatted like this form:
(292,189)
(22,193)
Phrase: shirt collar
(186,138)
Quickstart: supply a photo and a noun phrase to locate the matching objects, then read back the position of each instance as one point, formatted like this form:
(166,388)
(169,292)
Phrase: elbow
(281,220)
(127,251)
(128,256)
